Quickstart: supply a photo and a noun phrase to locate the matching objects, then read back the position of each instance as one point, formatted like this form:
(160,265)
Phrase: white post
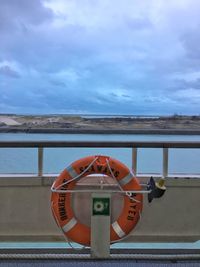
(40,161)
(100,225)
(134,160)
(165,162)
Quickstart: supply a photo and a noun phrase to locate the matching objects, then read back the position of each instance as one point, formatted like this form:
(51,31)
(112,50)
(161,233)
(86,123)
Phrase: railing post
(134,160)
(165,162)
(40,161)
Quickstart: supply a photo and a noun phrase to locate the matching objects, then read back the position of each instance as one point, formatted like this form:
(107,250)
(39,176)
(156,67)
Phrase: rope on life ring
(61,202)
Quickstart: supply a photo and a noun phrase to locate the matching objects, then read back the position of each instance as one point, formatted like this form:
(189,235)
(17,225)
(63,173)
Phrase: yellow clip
(161,184)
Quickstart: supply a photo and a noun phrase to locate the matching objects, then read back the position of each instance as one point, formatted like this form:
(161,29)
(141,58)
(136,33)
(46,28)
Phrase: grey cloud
(113,95)
(7,71)
(57,83)
(48,51)
(191,41)
(20,13)
(126,96)
(123,95)
(138,23)
(186,84)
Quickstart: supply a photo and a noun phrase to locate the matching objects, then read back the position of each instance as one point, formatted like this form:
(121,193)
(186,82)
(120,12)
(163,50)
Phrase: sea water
(24,160)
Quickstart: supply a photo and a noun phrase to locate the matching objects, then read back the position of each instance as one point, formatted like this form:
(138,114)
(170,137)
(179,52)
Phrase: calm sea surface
(24,160)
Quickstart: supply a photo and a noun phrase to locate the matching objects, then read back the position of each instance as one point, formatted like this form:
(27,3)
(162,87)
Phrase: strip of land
(105,125)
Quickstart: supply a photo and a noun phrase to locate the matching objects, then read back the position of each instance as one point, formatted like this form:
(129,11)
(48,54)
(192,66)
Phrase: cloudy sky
(100,56)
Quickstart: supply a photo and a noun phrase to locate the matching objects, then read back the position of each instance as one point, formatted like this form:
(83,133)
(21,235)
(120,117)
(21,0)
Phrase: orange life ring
(61,202)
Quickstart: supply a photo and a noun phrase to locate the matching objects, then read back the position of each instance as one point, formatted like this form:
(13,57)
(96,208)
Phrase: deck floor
(95,263)
(8,249)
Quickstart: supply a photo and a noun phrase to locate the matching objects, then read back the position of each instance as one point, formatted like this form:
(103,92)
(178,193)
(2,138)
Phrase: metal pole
(40,161)
(165,162)
(134,160)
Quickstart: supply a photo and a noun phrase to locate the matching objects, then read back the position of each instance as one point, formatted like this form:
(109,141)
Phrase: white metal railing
(177,229)
(165,146)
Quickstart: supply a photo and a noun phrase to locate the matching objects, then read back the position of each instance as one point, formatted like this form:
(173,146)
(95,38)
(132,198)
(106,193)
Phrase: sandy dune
(9,121)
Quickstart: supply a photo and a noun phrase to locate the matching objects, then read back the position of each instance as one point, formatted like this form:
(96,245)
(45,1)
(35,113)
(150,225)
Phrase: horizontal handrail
(134,145)
(111,144)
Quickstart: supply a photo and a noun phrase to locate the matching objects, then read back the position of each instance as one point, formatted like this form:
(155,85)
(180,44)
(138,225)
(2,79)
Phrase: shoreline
(99,131)
(65,124)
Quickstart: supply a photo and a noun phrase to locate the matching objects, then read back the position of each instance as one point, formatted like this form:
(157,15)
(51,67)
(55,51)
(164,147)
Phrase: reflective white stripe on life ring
(71,171)
(118,230)
(67,227)
(126,179)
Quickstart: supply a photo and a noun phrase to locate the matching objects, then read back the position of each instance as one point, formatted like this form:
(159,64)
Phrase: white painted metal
(134,160)
(100,231)
(165,162)
(40,161)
